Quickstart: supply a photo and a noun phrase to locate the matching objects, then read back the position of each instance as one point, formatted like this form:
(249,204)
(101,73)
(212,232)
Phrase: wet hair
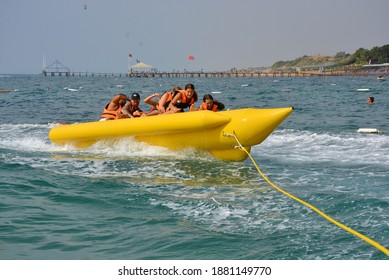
(220,106)
(191,86)
(207,96)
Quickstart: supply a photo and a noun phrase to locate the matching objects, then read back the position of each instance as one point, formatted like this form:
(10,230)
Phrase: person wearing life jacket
(166,98)
(210,104)
(131,109)
(154,110)
(184,99)
(113,109)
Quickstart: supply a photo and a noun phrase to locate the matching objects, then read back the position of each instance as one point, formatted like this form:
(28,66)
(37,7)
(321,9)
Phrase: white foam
(245,211)
(306,146)
(130,148)
(34,137)
(24,137)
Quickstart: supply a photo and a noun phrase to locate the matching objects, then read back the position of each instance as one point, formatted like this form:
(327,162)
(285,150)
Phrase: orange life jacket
(111,115)
(168,99)
(184,102)
(169,96)
(204,107)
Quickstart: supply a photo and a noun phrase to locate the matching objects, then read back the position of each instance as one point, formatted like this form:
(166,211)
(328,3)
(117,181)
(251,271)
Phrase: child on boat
(167,98)
(183,99)
(210,104)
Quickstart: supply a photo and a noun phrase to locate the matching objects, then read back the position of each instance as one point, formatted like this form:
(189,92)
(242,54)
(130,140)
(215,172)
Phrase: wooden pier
(81,74)
(202,74)
(58,69)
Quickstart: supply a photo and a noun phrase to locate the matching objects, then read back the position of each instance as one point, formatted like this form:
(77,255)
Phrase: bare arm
(114,104)
(126,110)
(148,99)
(162,103)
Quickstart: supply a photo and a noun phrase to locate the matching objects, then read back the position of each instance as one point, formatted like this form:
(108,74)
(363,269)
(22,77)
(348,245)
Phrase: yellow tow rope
(350,230)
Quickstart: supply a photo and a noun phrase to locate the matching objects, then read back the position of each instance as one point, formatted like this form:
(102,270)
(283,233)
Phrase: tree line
(362,56)
(376,55)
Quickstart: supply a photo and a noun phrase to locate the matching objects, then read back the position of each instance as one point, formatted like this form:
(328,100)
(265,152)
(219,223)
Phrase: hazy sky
(220,34)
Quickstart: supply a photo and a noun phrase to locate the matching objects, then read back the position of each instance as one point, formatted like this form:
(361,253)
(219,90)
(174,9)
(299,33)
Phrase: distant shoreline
(220,74)
(213,74)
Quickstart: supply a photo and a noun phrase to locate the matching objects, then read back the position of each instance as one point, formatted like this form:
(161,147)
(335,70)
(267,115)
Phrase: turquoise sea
(135,201)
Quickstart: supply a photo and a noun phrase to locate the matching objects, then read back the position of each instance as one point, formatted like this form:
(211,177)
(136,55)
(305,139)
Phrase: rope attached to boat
(350,230)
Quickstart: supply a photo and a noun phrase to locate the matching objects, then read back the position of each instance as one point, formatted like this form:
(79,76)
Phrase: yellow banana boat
(203,130)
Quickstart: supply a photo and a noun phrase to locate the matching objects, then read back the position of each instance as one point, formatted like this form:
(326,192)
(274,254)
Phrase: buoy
(70,89)
(368,130)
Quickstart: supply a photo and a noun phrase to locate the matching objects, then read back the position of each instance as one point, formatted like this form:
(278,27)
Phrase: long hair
(191,86)
(175,89)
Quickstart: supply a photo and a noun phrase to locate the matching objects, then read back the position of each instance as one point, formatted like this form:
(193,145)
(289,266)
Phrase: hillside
(358,58)
(318,60)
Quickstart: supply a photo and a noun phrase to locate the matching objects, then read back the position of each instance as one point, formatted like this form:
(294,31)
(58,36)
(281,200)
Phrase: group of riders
(170,102)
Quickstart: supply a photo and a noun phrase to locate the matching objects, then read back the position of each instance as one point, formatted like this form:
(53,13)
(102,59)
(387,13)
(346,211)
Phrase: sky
(98,35)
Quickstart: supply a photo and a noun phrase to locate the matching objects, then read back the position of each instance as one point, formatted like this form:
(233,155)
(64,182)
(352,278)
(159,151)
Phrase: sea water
(136,201)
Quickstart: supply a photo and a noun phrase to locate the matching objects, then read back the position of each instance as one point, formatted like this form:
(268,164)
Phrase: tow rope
(350,230)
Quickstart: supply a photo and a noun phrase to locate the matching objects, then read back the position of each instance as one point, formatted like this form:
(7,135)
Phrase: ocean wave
(313,147)
(252,211)
(286,146)
(24,137)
